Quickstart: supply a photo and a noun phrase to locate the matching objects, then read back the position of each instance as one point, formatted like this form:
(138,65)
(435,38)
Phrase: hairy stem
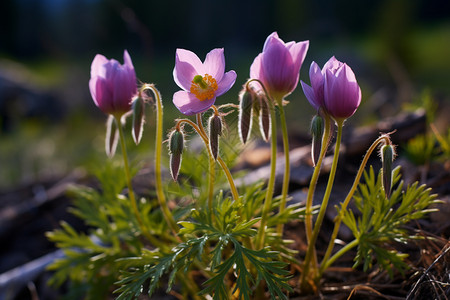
(158,150)
(384,139)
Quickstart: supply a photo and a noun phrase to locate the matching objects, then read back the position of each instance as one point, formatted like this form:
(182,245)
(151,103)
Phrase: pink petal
(317,81)
(298,53)
(226,83)
(98,66)
(279,70)
(342,97)
(127,60)
(256,72)
(103,95)
(189,105)
(332,64)
(187,65)
(123,90)
(309,93)
(255,68)
(214,64)
(270,38)
(93,89)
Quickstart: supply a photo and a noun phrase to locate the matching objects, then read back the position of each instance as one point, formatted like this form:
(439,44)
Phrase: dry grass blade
(411,294)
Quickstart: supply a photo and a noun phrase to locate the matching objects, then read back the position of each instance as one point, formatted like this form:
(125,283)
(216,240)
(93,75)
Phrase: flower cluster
(232,238)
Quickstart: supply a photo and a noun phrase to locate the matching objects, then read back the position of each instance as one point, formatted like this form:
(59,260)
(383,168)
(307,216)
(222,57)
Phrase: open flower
(113,85)
(278,66)
(334,89)
(201,82)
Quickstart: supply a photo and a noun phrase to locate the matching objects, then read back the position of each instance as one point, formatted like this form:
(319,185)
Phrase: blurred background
(49,124)
(51,131)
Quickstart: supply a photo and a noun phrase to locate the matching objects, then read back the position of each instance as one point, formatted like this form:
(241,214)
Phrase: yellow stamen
(203,87)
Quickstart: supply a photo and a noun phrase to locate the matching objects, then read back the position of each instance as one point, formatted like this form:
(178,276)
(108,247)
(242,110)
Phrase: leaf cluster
(379,221)
(217,243)
(90,258)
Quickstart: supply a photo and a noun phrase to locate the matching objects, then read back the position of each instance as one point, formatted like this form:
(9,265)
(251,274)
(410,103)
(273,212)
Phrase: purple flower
(278,66)
(113,85)
(341,90)
(201,82)
(334,89)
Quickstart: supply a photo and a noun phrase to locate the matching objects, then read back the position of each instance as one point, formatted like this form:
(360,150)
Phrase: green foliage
(92,260)
(380,221)
(444,144)
(421,149)
(222,240)
(114,255)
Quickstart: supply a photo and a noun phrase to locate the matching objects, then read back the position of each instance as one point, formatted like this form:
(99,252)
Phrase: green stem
(212,165)
(338,254)
(144,230)
(212,175)
(158,150)
(227,172)
(287,166)
(337,222)
(313,184)
(323,207)
(271,184)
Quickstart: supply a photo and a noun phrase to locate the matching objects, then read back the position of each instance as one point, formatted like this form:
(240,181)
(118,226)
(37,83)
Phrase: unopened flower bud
(176,144)
(264,117)
(215,130)
(317,133)
(138,107)
(387,157)
(246,98)
(112,136)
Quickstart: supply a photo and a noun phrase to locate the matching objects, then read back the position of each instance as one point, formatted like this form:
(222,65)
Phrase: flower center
(203,87)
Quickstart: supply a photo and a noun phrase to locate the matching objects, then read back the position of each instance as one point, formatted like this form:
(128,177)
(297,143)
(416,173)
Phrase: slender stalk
(212,164)
(227,172)
(273,166)
(144,230)
(287,166)
(337,221)
(313,183)
(338,254)
(323,208)
(271,184)
(212,176)
(200,126)
(158,150)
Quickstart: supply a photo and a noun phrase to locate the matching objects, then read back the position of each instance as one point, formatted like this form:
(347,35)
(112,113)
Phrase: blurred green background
(49,124)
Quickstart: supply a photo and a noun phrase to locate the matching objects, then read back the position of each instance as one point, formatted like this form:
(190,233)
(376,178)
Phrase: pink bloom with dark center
(201,82)
(113,85)
(278,66)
